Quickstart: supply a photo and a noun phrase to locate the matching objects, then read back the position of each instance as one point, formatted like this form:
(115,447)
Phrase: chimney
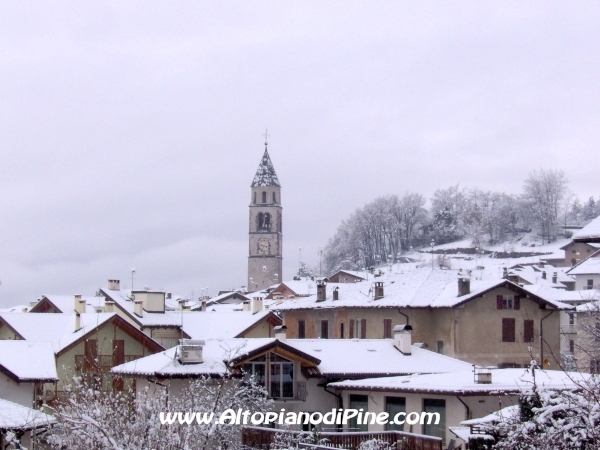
(138,308)
(555,277)
(321,290)
(190,351)
(77,321)
(505,273)
(280,332)
(168,296)
(336,293)
(98,309)
(181,302)
(544,275)
(114,285)
(257,305)
(464,284)
(279,300)
(483,375)
(403,338)
(378,290)
(246,306)
(109,306)
(203,307)
(79,304)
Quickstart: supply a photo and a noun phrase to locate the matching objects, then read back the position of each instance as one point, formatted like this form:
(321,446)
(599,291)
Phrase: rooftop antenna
(320,260)
(299,260)
(132,276)
(266,136)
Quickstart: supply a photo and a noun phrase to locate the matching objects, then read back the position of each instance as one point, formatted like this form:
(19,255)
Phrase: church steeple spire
(265,174)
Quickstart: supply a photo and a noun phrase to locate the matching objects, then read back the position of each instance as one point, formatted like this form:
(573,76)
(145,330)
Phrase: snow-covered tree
(97,420)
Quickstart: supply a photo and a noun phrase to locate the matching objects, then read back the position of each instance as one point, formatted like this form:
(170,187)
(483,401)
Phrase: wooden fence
(261,438)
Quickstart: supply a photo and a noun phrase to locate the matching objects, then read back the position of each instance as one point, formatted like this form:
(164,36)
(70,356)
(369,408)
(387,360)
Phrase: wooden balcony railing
(261,438)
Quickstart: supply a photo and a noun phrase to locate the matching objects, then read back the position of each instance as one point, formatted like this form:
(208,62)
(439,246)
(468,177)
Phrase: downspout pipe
(407,319)
(339,398)
(542,338)
(161,385)
(466,406)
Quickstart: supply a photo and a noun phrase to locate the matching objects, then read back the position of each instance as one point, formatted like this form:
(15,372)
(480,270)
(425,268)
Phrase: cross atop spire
(266,136)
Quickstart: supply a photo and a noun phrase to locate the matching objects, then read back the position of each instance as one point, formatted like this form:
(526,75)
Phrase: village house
(19,423)
(454,396)
(83,344)
(295,372)
(485,322)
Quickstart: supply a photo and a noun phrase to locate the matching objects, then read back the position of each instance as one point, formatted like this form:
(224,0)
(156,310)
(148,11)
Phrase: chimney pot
(544,275)
(321,290)
(464,285)
(203,307)
(403,338)
(109,306)
(246,306)
(77,321)
(257,304)
(555,277)
(378,290)
(114,285)
(79,304)
(138,308)
(336,293)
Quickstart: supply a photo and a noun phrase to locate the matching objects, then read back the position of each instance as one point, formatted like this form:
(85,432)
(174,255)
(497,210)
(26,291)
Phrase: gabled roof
(589,232)
(59,329)
(17,417)
(66,303)
(148,319)
(352,358)
(223,297)
(265,174)
(27,361)
(504,382)
(224,325)
(589,266)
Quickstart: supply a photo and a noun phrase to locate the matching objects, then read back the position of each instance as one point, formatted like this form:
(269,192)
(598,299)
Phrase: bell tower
(265,227)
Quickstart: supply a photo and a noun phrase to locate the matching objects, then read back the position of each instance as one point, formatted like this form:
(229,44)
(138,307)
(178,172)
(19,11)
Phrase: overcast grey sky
(130,131)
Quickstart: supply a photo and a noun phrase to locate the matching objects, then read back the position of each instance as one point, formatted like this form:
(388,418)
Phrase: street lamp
(432,243)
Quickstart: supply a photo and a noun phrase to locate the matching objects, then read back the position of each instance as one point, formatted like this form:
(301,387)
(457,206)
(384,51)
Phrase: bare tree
(544,192)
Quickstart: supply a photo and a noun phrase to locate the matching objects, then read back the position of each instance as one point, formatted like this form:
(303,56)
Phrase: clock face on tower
(263,246)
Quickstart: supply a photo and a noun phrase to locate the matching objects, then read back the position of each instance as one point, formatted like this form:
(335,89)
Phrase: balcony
(288,390)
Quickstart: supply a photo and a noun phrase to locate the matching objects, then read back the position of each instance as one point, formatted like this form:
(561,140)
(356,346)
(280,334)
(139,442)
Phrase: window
(573,262)
(594,365)
(255,198)
(282,377)
(573,251)
(90,348)
(324,329)
(358,402)
(301,329)
(256,370)
(274,198)
(508,302)
(571,319)
(358,329)
(264,197)
(590,284)
(393,406)
(508,365)
(528,331)
(387,328)
(508,330)
(431,405)
(342,331)
(597,332)
(572,346)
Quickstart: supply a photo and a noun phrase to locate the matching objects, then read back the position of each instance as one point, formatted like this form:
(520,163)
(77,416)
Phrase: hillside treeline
(385,228)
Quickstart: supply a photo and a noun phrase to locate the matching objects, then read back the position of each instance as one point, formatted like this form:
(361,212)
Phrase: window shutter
(301,329)
(517,302)
(387,328)
(324,329)
(498,302)
(528,331)
(363,328)
(508,330)
(351,330)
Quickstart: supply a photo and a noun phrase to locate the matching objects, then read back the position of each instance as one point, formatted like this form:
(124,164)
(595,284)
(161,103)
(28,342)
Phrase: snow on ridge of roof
(66,303)
(503,380)
(28,360)
(59,329)
(590,231)
(218,298)
(15,416)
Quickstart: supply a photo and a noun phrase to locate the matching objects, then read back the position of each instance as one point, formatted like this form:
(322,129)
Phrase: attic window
(508,302)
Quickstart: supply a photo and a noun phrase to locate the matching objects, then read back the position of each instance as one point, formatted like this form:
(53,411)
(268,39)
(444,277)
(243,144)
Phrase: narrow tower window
(255,198)
(274,198)
(264,197)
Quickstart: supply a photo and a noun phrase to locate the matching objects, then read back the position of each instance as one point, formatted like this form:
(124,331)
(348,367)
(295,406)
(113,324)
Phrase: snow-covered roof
(225,296)
(558,295)
(214,353)
(369,357)
(466,435)
(16,309)
(415,287)
(59,329)
(26,361)
(265,174)
(363,357)
(301,288)
(66,303)
(535,275)
(504,382)
(497,416)
(590,231)
(591,266)
(148,319)
(220,325)
(17,417)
